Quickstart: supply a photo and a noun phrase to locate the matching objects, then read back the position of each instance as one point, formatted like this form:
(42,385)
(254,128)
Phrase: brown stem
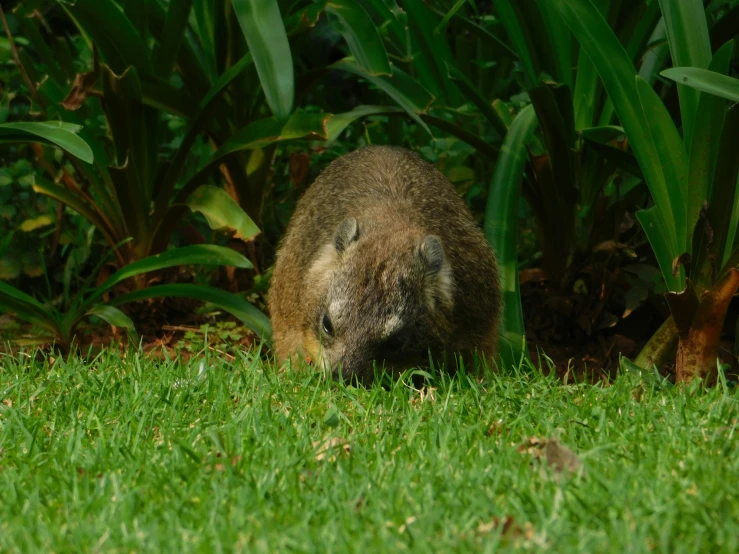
(17,60)
(661,347)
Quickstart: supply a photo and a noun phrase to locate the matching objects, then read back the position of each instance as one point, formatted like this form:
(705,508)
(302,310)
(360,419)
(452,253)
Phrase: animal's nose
(350,371)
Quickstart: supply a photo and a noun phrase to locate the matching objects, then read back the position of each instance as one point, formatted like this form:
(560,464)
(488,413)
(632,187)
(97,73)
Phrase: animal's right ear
(346,233)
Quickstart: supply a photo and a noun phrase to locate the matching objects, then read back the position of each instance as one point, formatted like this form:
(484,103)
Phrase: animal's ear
(431,253)
(346,233)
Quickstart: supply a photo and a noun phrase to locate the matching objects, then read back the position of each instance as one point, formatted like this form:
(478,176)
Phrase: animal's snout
(353,369)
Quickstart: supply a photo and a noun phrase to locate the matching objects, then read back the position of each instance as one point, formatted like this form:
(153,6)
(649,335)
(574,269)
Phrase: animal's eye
(326,326)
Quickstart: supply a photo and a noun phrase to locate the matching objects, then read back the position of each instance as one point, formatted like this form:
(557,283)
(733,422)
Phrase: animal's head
(385,298)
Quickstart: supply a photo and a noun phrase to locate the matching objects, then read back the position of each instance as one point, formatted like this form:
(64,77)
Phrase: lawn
(223,454)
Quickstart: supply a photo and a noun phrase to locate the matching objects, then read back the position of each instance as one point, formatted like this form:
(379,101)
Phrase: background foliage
(594,140)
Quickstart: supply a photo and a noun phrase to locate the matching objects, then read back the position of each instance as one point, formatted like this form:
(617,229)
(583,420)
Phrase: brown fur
(414,273)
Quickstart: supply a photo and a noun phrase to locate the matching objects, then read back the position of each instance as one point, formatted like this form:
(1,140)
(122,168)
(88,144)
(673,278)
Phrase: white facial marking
(391,325)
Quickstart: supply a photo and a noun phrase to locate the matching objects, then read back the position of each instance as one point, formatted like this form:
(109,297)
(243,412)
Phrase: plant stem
(661,347)
(17,60)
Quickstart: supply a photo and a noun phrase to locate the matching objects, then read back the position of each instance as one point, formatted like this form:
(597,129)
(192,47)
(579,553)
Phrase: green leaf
(558,40)
(721,215)
(501,223)
(174,30)
(35,223)
(706,81)
(29,27)
(164,96)
(78,204)
(305,18)
(489,150)
(249,314)
(431,53)
(690,46)
(259,134)
(517,35)
(401,87)
(222,212)
(265,34)
(618,75)
(10,267)
(193,129)
(708,124)
(659,239)
(341,121)
(264,132)
(585,95)
(444,20)
(672,158)
(201,254)
(556,176)
(473,95)
(55,133)
(396,21)
(360,33)
(732,239)
(27,308)
(112,316)
(111,32)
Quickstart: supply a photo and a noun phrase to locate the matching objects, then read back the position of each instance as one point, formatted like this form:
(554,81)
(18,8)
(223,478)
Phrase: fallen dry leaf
(82,86)
(509,529)
(299,168)
(405,525)
(497,428)
(330,448)
(424,394)
(559,457)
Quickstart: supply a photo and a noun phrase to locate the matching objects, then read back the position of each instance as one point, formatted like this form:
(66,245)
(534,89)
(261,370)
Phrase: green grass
(123,454)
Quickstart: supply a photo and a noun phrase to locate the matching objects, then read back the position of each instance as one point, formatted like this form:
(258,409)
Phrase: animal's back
(387,188)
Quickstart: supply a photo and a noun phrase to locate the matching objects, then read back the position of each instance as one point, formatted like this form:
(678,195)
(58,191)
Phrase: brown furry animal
(383,262)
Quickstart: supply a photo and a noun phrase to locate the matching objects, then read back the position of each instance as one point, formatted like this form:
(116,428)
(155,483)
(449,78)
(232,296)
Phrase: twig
(17,59)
